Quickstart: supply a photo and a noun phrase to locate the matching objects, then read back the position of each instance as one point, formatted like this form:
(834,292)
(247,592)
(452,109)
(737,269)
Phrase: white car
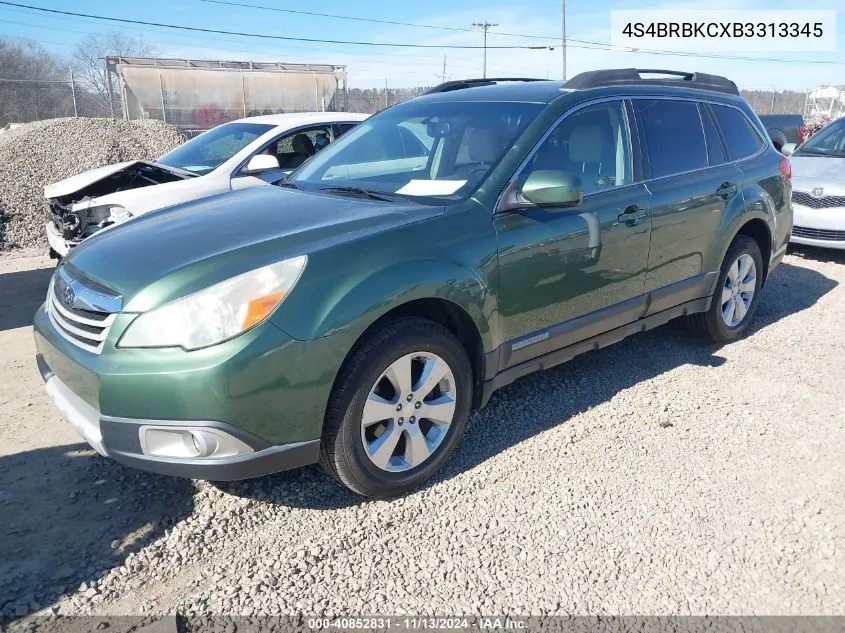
(818,188)
(243,153)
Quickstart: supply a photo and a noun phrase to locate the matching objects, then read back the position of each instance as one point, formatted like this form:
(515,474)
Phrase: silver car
(818,188)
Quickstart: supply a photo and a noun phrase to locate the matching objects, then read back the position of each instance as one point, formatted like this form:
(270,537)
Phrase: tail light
(786,169)
(802,133)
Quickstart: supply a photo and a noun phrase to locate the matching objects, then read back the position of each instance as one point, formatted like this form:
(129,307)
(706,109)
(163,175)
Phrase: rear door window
(672,135)
(741,137)
(715,152)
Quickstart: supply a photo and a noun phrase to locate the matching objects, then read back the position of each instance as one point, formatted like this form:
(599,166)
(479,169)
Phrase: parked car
(356,313)
(818,194)
(243,153)
(785,128)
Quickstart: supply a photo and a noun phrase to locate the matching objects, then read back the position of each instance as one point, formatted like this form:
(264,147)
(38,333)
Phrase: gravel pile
(40,153)
(662,475)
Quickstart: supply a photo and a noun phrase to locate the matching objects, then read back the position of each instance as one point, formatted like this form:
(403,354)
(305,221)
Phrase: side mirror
(261,162)
(788,149)
(545,188)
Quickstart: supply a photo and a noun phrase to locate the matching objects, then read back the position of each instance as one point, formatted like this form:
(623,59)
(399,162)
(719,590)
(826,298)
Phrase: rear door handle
(726,190)
(632,215)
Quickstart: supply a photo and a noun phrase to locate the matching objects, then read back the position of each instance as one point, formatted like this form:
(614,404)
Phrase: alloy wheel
(408,411)
(738,291)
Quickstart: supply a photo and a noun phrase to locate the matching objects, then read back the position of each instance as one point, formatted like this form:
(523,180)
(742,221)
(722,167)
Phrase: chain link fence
(372,100)
(25,100)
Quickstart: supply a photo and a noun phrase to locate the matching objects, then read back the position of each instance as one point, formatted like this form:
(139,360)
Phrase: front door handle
(632,215)
(726,190)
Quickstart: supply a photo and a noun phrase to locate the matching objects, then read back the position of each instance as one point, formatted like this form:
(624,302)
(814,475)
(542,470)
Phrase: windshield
(829,141)
(422,150)
(211,149)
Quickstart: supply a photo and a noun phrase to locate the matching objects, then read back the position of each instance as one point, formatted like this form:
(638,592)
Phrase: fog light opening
(204,444)
(190,443)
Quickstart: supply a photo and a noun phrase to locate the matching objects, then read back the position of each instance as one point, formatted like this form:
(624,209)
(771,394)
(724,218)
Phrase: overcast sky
(587,20)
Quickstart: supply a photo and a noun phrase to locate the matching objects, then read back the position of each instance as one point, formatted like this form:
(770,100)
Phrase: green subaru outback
(355,314)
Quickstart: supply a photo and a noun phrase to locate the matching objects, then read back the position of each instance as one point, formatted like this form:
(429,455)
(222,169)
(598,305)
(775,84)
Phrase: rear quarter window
(740,136)
(673,137)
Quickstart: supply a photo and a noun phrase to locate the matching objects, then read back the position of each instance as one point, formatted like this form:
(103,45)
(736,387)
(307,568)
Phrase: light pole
(486,26)
(563,36)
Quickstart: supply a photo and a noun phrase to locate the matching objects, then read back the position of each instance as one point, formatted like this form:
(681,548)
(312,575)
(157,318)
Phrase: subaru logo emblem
(68,296)
(817,192)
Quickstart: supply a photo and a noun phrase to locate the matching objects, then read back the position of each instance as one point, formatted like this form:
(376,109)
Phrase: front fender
(364,295)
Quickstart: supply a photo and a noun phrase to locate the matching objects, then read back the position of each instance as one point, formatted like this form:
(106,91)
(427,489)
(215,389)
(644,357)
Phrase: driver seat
(592,152)
(303,149)
(483,148)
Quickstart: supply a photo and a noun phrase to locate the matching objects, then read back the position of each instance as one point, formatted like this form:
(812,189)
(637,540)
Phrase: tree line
(36,84)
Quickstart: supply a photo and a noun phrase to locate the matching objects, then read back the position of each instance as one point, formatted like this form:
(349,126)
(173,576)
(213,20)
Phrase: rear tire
(377,438)
(737,293)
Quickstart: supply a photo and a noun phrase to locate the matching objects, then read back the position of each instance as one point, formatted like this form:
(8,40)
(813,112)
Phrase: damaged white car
(243,153)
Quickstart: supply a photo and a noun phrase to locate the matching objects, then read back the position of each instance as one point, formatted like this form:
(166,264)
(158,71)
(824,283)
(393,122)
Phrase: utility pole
(486,26)
(443,77)
(73,92)
(563,36)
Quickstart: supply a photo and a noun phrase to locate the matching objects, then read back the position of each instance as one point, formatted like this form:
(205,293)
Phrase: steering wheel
(476,173)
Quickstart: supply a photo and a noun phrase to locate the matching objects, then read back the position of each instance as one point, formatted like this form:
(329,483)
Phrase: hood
(73,184)
(172,252)
(115,180)
(814,171)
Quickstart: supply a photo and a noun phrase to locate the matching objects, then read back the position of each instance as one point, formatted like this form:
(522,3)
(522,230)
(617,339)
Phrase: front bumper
(818,227)
(55,239)
(263,389)
(122,439)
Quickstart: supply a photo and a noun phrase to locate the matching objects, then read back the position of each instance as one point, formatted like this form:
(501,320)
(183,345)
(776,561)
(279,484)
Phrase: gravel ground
(659,476)
(43,152)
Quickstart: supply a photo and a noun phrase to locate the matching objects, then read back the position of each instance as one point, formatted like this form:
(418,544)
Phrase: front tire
(398,409)
(737,294)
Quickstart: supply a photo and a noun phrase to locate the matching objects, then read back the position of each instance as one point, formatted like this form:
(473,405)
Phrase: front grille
(85,328)
(818,234)
(825,202)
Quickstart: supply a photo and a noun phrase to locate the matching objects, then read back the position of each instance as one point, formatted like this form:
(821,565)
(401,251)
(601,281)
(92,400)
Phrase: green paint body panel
(264,381)
(514,274)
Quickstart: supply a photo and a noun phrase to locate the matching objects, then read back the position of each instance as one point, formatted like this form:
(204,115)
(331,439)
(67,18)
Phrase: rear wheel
(399,408)
(737,294)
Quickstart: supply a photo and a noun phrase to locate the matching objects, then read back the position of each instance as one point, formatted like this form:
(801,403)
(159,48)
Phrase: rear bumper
(122,440)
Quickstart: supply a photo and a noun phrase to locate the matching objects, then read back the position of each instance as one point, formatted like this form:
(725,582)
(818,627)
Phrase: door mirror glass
(788,149)
(261,162)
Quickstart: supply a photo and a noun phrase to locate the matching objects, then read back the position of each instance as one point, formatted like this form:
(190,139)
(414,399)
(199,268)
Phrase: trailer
(198,94)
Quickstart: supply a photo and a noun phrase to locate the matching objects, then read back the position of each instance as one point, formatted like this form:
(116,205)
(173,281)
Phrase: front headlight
(218,312)
(48,299)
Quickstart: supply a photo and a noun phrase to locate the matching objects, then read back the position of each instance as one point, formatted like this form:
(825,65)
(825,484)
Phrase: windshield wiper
(358,192)
(288,184)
